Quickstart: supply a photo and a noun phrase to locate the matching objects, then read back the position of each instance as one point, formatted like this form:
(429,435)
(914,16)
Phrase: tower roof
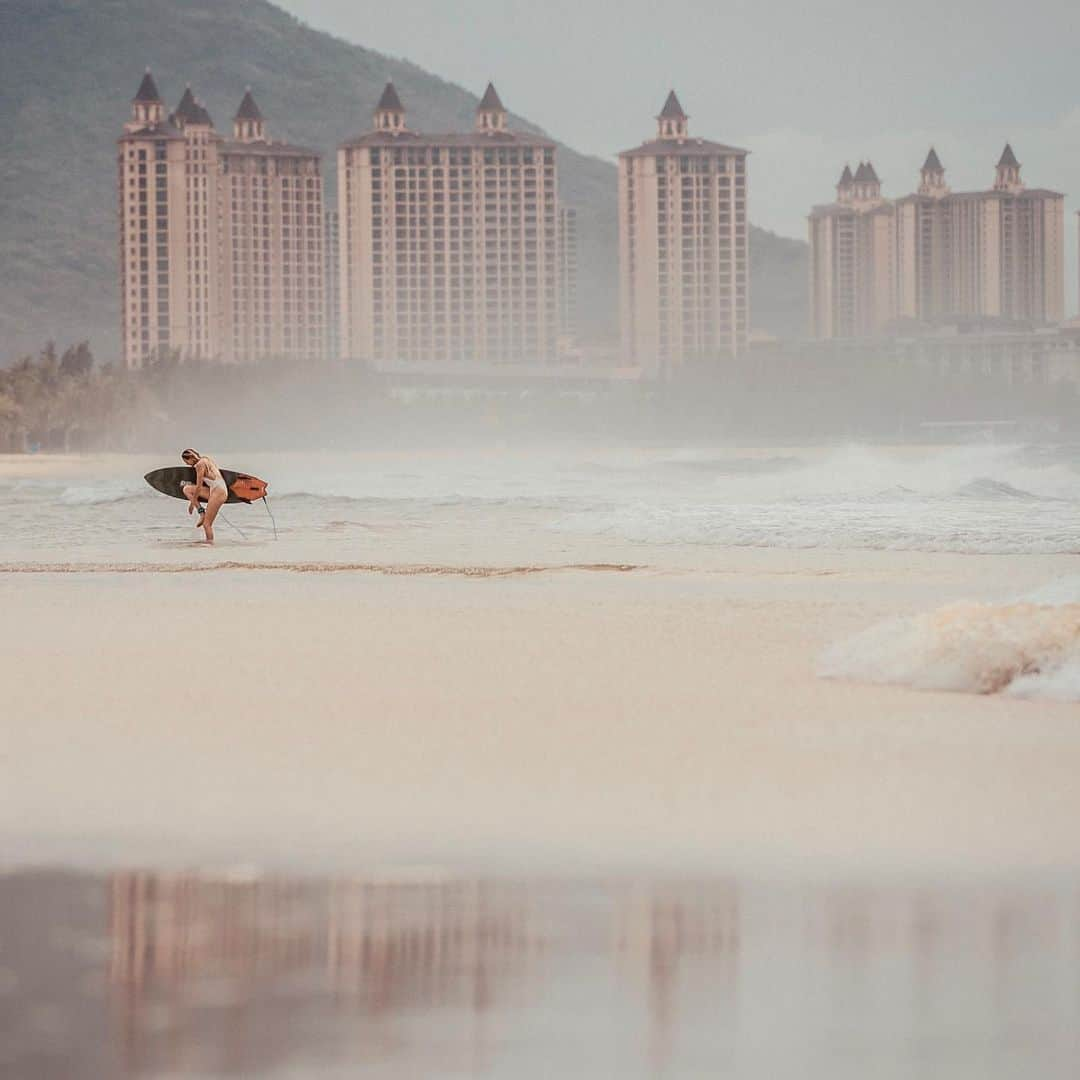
(933,162)
(187,109)
(1008,158)
(845,176)
(390,102)
(860,173)
(490,100)
(248,109)
(672,110)
(148,90)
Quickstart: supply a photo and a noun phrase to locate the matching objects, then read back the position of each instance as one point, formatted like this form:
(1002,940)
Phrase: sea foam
(1029,648)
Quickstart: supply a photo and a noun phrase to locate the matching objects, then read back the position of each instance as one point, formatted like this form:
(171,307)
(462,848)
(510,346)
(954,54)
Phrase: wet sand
(202,976)
(660,715)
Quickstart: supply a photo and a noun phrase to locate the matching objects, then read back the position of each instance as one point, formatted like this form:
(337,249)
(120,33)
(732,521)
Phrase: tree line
(65,401)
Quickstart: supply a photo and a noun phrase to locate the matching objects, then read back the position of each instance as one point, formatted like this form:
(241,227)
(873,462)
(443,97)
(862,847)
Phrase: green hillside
(68,69)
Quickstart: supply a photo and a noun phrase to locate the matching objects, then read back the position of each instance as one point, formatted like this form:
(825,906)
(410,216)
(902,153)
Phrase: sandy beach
(658,716)
(603,762)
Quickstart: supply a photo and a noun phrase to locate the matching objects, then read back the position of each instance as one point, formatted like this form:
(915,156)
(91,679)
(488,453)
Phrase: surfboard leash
(266,503)
(227,522)
(230,524)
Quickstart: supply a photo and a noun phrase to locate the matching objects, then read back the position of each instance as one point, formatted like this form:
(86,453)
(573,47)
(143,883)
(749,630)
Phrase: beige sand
(651,717)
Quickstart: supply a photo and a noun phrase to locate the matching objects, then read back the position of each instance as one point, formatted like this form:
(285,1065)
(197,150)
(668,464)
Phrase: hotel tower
(448,244)
(683,249)
(936,255)
(221,240)
(852,257)
(986,254)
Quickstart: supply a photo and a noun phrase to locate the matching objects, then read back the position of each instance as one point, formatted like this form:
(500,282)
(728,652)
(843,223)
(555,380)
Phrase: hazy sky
(805,86)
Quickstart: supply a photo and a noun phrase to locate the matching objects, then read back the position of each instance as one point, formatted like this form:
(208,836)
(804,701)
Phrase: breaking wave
(100,494)
(977,499)
(986,488)
(878,523)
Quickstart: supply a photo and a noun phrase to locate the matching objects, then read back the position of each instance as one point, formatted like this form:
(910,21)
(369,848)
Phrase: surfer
(209,485)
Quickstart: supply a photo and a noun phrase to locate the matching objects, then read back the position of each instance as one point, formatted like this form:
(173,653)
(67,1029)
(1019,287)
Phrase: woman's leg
(217,499)
(193,502)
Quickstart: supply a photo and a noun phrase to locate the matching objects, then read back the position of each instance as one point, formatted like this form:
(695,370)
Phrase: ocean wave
(986,488)
(984,499)
(732,465)
(858,472)
(450,500)
(100,494)
(1026,649)
(875,524)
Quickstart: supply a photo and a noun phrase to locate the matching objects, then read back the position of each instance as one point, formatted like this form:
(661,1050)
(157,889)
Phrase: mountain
(69,68)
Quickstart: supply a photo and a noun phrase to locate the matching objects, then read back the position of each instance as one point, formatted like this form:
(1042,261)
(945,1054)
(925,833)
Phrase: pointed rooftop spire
(933,162)
(672,110)
(490,113)
(1008,158)
(389,115)
(187,110)
(248,109)
(490,100)
(148,91)
(871,174)
(390,102)
(861,173)
(845,176)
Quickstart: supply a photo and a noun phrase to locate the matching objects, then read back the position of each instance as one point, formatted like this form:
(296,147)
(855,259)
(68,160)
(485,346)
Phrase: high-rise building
(221,239)
(851,258)
(996,254)
(568,271)
(273,302)
(197,322)
(449,245)
(153,193)
(924,247)
(936,255)
(683,249)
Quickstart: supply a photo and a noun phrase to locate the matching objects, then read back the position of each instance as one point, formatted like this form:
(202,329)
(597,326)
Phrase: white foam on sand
(1029,648)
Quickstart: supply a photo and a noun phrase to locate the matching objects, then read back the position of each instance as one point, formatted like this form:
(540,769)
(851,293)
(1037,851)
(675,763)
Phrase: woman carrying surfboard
(209,485)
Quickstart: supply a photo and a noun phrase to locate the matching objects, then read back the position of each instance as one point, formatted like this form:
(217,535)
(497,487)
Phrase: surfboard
(243,488)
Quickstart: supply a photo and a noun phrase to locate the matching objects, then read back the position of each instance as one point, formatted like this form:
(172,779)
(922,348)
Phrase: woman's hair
(189,452)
